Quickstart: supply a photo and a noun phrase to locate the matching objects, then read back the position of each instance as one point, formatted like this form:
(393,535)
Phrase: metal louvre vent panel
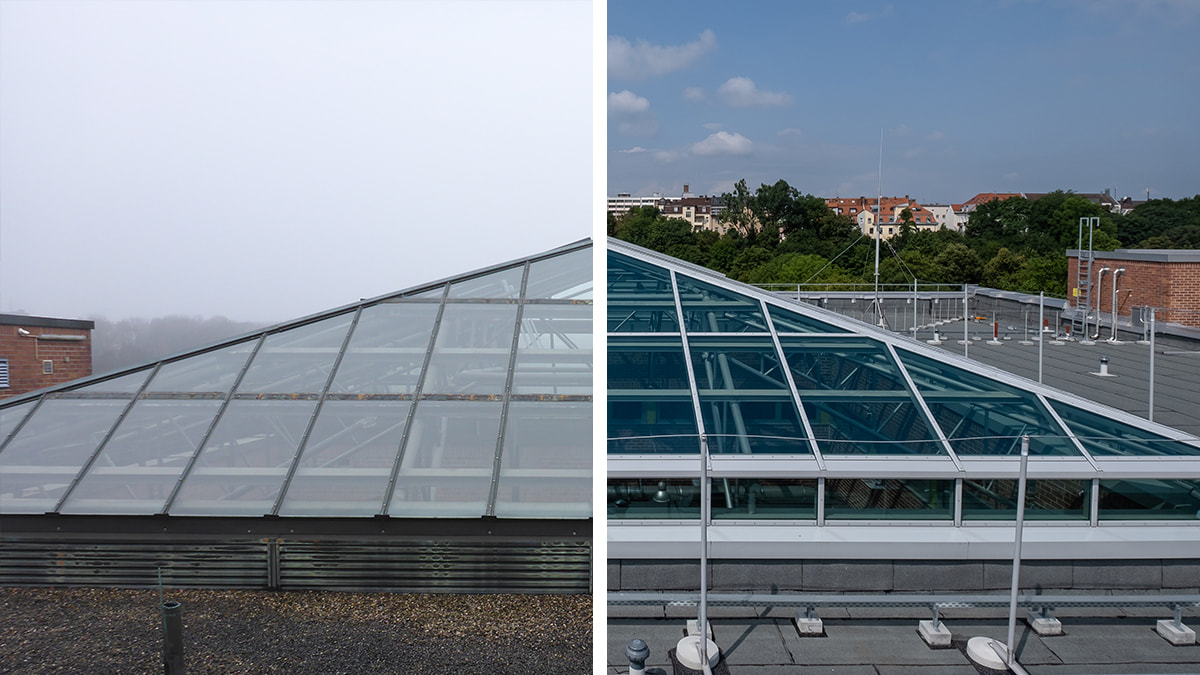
(560,567)
(133,565)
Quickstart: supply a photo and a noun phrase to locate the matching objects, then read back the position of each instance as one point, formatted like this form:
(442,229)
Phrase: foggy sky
(268,160)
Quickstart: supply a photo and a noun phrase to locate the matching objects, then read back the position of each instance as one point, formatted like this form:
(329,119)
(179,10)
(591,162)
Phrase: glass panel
(982,416)
(791,322)
(213,371)
(640,299)
(447,466)
(1103,436)
(348,460)
(711,309)
(565,277)
(503,284)
(11,416)
(140,464)
(667,498)
(244,462)
(40,462)
(554,352)
(764,498)
(649,400)
(880,499)
(474,346)
(298,360)
(126,384)
(744,397)
(546,466)
(856,398)
(1149,500)
(387,350)
(435,292)
(1044,499)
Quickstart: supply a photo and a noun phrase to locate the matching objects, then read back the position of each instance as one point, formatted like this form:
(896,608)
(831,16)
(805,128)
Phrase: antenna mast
(878,227)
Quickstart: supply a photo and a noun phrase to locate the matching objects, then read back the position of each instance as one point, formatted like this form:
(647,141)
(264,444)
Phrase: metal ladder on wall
(1083,278)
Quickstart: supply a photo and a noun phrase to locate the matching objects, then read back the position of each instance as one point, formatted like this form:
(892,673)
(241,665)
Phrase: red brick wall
(1146,283)
(25,355)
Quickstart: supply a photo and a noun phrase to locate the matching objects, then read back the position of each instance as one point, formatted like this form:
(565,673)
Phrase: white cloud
(666,156)
(694,94)
(638,61)
(713,126)
(859,17)
(634,150)
(632,114)
(936,136)
(724,143)
(790,131)
(741,92)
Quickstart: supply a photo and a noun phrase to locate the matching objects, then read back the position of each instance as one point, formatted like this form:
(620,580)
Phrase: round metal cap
(979,650)
(688,652)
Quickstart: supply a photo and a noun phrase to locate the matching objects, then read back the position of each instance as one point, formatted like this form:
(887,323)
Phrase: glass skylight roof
(465,398)
(763,376)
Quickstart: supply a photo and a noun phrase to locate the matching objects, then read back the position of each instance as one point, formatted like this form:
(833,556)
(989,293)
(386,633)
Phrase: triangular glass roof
(762,376)
(463,398)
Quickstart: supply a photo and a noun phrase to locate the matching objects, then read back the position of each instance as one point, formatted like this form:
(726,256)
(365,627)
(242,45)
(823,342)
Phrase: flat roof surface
(876,642)
(1072,367)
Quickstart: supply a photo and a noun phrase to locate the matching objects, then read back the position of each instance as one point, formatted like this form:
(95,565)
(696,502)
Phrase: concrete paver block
(809,624)
(934,636)
(1177,635)
(1044,626)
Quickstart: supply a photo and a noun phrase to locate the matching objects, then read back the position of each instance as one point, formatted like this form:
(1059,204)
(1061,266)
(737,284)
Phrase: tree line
(779,235)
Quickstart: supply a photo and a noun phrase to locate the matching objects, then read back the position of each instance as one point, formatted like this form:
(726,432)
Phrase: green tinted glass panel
(505,283)
(140,464)
(387,350)
(856,398)
(1044,499)
(242,466)
(764,498)
(1103,436)
(640,299)
(1150,500)
(348,460)
(883,499)
(563,277)
(213,371)
(667,498)
(546,465)
(744,396)
(982,416)
(297,360)
(554,350)
(42,459)
(473,350)
(448,460)
(712,309)
(649,400)
(792,322)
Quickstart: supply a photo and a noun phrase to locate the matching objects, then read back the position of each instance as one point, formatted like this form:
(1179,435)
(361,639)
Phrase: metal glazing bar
(958,502)
(791,383)
(1094,516)
(1068,433)
(312,418)
(412,409)
(12,434)
(103,442)
(187,470)
(821,501)
(508,381)
(929,418)
(687,357)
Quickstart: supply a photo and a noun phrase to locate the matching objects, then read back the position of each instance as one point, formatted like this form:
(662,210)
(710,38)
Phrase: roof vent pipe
(1116,273)
(1099,285)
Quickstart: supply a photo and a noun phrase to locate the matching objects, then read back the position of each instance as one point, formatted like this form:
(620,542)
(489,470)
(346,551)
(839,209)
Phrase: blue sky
(970,95)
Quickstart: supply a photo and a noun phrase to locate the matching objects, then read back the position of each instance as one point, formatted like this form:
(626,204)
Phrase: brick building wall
(61,346)
(1168,280)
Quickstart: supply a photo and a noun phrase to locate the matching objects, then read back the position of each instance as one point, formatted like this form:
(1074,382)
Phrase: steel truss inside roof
(789,391)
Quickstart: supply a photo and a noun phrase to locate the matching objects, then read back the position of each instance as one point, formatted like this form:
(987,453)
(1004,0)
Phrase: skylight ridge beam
(791,383)
(490,510)
(929,418)
(187,470)
(103,442)
(412,409)
(316,412)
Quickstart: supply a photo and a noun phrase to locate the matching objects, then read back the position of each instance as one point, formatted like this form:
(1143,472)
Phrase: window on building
(47,367)
(3,373)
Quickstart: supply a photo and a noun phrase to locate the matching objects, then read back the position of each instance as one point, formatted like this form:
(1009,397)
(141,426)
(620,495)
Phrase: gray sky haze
(267,160)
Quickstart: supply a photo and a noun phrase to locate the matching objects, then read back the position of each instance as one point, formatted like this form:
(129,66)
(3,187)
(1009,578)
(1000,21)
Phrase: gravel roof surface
(84,630)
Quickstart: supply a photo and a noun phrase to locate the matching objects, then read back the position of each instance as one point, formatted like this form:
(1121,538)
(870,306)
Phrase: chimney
(685,188)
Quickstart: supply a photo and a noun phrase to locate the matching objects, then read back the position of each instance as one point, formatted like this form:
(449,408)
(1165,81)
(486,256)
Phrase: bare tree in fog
(130,342)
